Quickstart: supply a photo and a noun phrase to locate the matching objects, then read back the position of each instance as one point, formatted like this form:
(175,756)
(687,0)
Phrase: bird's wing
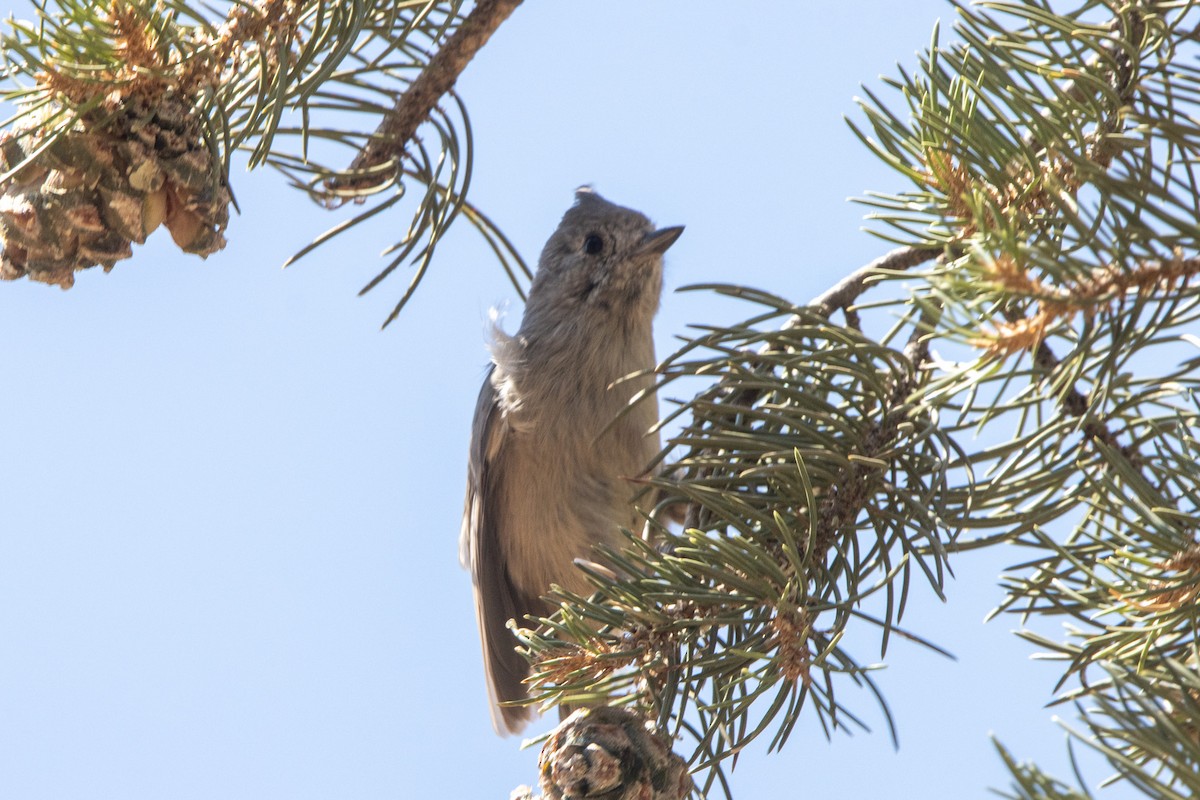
(480,550)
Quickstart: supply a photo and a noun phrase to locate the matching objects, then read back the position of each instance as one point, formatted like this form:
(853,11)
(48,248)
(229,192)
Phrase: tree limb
(399,127)
(842,294)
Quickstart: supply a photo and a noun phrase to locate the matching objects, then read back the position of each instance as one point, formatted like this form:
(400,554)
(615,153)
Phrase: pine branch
(839,297)
(111,82)
(842,295)
(414,106)
(824,464)
(1075,403)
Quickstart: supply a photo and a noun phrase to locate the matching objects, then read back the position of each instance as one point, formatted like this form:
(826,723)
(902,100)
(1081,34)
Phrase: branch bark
(399,127)
(842,294)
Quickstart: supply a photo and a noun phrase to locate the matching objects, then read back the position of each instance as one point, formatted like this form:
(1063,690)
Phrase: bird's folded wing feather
(481,552)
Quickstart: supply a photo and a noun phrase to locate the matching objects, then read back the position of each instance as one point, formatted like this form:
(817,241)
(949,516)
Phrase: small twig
(917,349)
(1075,403)
(849,288)
(413,107)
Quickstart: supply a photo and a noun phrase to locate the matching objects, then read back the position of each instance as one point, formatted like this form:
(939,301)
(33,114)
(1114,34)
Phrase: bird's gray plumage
(553,445)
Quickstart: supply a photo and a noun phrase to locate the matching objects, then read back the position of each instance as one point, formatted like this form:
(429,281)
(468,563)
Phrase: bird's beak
(658,241)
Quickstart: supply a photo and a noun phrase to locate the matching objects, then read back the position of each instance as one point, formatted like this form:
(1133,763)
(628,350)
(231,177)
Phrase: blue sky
(230,504)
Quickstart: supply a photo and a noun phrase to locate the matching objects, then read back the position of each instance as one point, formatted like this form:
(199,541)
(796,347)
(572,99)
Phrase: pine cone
(610,754)
(98,188)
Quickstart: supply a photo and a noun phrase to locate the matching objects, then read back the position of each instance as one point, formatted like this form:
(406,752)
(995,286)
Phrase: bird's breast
(569,465)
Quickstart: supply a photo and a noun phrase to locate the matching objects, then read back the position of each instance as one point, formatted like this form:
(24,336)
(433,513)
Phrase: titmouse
(552,454)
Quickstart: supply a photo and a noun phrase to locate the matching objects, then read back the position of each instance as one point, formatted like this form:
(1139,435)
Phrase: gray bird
(551,453)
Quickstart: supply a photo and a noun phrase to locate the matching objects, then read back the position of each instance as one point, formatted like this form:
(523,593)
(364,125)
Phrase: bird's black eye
(593,244)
